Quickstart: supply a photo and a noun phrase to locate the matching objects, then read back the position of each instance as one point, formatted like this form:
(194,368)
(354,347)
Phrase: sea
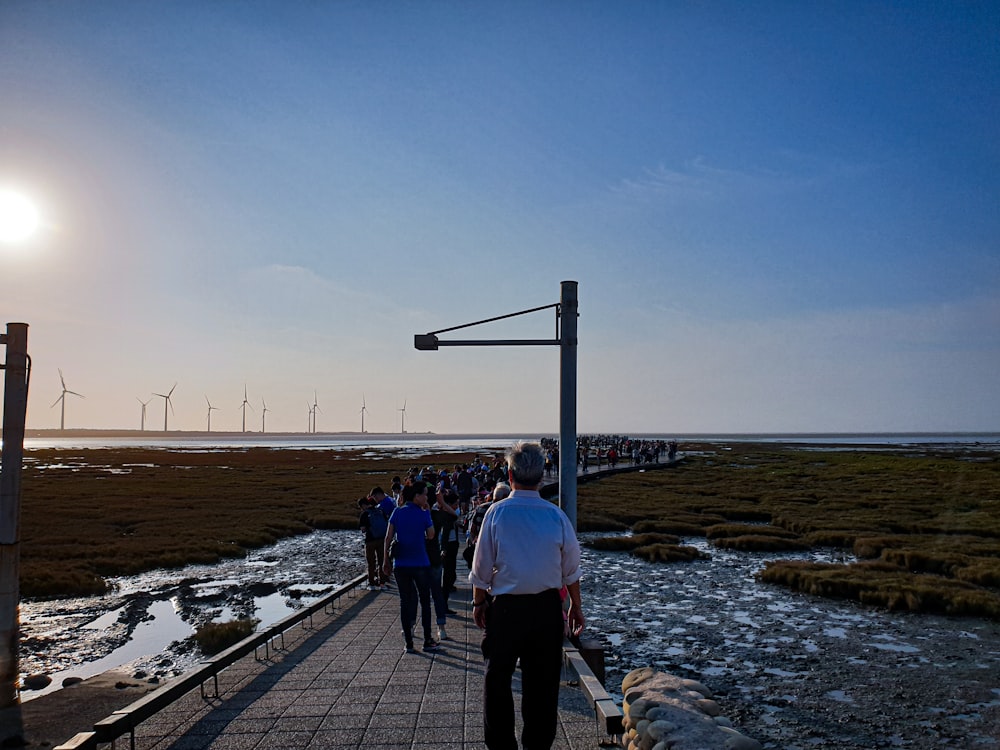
(489,442)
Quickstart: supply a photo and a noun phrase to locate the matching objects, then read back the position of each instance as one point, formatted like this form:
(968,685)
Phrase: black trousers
(449,562)
(529,628)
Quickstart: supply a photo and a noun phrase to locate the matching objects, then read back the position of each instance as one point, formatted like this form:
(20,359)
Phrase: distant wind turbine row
(168,409)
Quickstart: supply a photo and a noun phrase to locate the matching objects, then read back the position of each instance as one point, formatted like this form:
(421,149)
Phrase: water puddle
(152,636)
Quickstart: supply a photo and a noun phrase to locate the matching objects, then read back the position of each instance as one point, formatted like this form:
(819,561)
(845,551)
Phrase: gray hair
(501,491)
(526,463)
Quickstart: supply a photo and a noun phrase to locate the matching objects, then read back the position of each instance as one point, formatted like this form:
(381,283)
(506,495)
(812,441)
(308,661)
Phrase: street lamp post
(566,339)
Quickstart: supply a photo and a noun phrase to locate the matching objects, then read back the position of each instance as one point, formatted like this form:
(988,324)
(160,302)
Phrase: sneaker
(450,612)
(408,649)
(431,645)
(442,633)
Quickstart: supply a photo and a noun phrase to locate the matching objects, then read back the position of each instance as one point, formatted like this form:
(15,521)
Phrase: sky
(782,217)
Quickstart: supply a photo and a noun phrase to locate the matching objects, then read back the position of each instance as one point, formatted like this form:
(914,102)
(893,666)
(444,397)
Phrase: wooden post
(15,406)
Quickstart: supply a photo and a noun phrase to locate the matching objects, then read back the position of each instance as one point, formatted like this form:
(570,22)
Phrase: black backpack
(377,523)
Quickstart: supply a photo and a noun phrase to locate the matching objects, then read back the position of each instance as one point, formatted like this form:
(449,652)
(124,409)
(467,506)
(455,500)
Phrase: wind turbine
(263,416)
(363,410)
(142,419)
(166,402)
(244,406)
(210,410)
(402,418)
(62,397)
(315,408)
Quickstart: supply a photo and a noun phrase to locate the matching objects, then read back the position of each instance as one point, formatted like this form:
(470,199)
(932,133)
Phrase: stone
(666,711)
(657,713)
(70,681)
(660,730)
(737,741)
(696,687)
(36,681)
(637,710)
(635,677)
(709,707)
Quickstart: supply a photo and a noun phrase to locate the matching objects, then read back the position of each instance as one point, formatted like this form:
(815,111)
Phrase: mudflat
(50,720)
(917,528)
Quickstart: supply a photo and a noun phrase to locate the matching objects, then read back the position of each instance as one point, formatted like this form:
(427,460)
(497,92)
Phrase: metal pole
(567,398)
(15,407)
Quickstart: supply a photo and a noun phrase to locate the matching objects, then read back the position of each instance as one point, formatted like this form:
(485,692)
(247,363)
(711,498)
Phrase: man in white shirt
(527,551)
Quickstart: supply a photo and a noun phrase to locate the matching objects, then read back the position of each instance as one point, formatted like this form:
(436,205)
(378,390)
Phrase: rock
(660,730)
(666,711)
(737,741)
(36,681)
(696,687)
(70,681)
(635,677)
(709,707)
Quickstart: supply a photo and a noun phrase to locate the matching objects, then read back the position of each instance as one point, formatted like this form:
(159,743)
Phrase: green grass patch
(761,543)
(218,636)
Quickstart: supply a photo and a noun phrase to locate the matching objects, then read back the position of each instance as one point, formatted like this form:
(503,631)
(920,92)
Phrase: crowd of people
(415,532)
(524,563)
(602,451)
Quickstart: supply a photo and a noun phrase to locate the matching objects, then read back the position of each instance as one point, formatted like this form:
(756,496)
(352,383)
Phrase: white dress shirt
(526,545)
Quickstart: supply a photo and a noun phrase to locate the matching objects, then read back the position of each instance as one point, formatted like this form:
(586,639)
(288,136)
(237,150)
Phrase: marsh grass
(124,511)
(218,636)
(928,523)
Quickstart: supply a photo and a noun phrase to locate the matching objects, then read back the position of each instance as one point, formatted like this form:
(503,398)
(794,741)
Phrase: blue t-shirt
(411,522)
(387,506)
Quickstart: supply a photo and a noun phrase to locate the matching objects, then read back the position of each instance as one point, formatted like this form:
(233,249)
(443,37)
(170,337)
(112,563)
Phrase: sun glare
(19,217)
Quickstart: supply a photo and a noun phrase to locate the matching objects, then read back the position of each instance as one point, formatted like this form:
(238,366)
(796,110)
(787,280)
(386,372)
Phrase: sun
(19,217)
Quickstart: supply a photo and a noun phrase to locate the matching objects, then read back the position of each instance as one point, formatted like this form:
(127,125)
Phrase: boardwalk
(344,682)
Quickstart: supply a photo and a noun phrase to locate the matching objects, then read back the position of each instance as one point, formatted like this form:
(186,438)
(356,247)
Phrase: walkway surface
(343,681)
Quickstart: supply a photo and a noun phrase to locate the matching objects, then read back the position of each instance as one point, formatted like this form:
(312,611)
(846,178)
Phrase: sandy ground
(50,720)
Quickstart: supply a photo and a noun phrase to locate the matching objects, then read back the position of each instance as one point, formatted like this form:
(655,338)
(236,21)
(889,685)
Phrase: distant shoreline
(693,436)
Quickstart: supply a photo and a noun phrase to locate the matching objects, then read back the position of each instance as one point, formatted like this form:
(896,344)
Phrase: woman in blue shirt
(410,525)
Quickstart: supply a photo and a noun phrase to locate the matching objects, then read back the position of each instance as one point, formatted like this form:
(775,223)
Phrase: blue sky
(782,216)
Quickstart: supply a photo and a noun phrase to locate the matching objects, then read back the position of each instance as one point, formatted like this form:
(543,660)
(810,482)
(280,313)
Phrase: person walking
(526,552)
(373,524)
(410,525)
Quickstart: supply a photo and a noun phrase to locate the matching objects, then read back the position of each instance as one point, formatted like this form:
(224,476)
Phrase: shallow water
(793,671)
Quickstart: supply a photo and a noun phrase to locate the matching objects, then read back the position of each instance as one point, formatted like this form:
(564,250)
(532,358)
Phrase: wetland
(900,655)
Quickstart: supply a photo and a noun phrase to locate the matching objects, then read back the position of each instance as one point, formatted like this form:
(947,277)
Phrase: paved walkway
(344,682)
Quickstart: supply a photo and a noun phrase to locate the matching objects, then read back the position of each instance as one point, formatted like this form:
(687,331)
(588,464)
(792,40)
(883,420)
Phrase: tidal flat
(793,669)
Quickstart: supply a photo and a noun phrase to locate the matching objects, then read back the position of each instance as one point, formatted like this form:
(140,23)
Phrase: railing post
(15,407)
(567,398)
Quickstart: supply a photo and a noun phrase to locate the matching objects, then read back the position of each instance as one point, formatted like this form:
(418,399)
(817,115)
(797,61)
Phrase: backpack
(464,485)
(377,523)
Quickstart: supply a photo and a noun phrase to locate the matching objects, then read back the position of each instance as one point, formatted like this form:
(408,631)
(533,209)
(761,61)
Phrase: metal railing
(609,715)
(127,719)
